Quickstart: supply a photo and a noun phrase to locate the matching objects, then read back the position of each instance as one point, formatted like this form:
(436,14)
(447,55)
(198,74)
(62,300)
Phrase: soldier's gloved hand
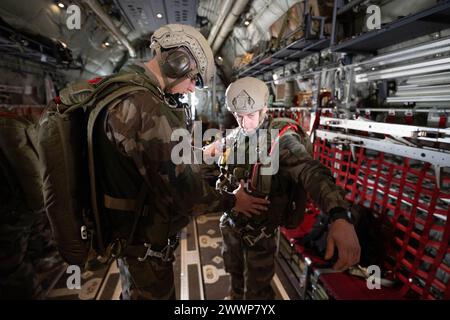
(342,234)
(248,204)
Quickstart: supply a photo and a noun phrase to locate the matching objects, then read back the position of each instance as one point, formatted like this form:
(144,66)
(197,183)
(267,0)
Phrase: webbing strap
(126,79)
(254,175)
(120,246)
(119,203)
(139,210)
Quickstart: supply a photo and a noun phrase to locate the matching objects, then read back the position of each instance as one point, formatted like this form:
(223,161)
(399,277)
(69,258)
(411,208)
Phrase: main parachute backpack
(65,146)
(294,214)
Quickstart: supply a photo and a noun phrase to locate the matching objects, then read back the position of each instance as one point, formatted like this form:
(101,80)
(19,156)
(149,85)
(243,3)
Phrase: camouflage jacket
(141,126)
(297,168)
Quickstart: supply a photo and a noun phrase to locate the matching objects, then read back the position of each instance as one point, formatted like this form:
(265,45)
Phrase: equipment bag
(293,215)
(65,146)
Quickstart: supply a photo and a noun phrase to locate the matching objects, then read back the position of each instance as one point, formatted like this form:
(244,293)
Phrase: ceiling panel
(141,14)
(181,11)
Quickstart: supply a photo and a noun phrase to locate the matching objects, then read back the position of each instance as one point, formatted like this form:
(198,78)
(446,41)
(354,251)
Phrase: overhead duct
(98,10)
(411,99)
(228,25)
(429,79)
(407,70)
(224,11)
(422,90)
(427,49)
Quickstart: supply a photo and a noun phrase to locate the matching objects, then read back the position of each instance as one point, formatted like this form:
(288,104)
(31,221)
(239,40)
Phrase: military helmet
(247,95)
(177,35)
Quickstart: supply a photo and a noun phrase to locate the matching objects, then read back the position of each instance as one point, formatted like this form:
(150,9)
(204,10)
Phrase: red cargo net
(404,192)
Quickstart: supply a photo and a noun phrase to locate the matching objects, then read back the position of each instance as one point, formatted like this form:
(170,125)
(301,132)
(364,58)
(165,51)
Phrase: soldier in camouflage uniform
(133,149)
(248,240)
(27,249)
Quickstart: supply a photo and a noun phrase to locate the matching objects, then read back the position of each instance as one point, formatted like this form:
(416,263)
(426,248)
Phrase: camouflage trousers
(251,267)
(27,250)
(151,279)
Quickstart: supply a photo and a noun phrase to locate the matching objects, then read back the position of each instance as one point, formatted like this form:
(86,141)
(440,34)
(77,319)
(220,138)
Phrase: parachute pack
(65,147)
(294,213)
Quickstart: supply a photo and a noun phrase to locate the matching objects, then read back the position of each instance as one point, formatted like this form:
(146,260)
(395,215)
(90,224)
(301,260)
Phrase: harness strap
(118,247)
(254,175)
(119,203)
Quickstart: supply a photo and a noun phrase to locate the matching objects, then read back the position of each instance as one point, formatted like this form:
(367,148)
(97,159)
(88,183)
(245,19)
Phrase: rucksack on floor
(65,146)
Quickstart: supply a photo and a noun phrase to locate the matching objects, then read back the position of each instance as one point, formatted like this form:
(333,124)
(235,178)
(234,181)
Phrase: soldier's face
(248,121)
(185,86)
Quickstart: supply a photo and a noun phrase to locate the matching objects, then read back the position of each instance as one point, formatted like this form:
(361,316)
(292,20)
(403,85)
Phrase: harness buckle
(165,254)
(252,240)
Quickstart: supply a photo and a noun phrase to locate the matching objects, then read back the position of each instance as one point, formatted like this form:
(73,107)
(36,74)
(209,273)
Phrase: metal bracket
(441,159)
(397,130)
(438,159)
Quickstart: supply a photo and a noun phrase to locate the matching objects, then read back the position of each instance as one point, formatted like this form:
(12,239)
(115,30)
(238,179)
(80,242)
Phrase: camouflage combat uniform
(27,248)
(249,243)
(133,148)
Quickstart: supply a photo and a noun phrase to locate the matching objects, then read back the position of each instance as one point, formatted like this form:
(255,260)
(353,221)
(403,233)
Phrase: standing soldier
(28,251)
(248,240)
(133,154)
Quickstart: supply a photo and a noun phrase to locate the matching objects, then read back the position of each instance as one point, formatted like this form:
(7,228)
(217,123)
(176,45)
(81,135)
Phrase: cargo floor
(198,268)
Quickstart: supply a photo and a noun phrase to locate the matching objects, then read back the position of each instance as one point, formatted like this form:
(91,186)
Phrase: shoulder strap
(105,88)
(93,116)
(283,120)
(298,129)
(266,180)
